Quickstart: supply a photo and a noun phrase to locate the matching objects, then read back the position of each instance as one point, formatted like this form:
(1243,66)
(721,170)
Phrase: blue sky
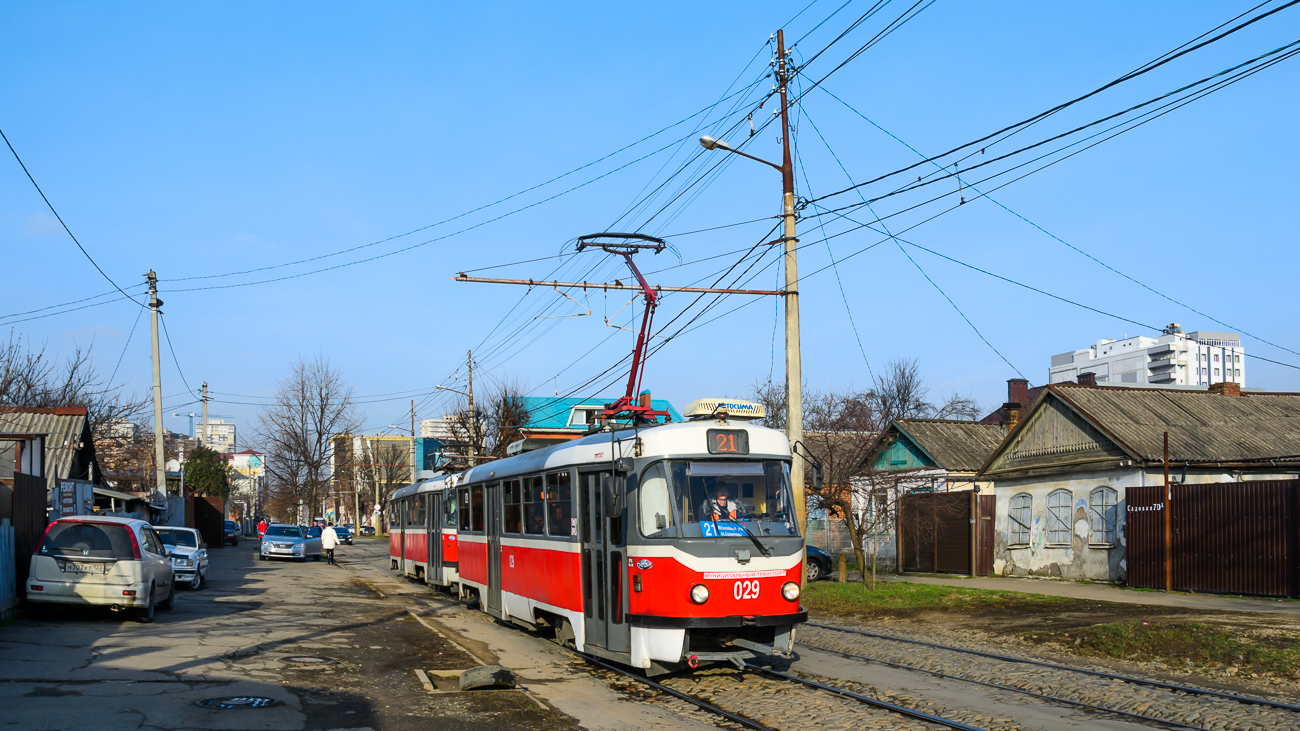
(202,140)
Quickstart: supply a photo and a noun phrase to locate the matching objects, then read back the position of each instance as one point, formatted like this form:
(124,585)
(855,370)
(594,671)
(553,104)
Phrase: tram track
(1246,699)
(1190,693)
(757,670)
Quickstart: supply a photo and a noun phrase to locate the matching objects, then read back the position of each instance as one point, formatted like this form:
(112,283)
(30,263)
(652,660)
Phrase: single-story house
(1061,474)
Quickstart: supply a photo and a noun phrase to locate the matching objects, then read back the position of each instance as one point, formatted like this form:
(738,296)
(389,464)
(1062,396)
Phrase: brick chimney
(1011,414)
(1227,388)
(1017,391)
(645,399)
(1087,379)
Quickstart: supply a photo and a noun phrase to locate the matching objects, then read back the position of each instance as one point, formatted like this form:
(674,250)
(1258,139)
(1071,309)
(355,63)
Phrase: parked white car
(119,563)
(189,555)
(289,541)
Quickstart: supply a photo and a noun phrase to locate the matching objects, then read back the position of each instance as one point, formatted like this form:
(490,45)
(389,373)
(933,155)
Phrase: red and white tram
(422,538)
(615,542)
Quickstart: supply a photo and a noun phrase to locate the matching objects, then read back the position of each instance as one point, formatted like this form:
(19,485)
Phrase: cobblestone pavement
(1201,711)
(787,706)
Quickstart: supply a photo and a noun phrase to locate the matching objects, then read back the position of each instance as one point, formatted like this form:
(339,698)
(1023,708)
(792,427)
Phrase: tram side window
(463,508)
(513,510)
(392,513)
(476,508)
(421,511)
(449,506)
(534,508)
(559,504)
(656,512)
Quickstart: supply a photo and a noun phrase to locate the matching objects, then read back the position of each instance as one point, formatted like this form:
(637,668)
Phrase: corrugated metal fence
(1228,538)
(8,572)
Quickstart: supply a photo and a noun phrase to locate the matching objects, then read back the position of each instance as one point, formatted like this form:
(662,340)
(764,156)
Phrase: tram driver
(721,506)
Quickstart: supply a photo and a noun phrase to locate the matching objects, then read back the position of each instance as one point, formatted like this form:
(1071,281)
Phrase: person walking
(329,539)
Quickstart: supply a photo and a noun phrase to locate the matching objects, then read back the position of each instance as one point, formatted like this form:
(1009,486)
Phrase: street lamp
(793,367)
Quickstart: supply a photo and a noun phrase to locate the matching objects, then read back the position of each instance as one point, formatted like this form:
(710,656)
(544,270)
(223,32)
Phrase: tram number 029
(728,441)
(745,589)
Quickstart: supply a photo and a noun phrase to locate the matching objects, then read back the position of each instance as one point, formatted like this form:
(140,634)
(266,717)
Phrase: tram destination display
(728,441)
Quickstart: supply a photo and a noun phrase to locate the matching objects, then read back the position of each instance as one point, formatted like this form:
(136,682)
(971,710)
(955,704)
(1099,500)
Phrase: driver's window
(152,544)
(656,513)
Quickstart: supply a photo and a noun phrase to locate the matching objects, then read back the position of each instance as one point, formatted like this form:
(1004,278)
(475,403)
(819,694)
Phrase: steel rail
(902,710)
(747,723)
(985,683)
(1249,700)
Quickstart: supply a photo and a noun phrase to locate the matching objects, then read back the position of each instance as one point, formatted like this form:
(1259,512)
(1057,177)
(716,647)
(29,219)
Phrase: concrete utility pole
(793,365)
(159,434)
(204,439)
(413,465)
(469,357)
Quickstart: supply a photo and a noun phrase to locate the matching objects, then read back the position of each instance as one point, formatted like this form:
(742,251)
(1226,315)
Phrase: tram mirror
(613,498)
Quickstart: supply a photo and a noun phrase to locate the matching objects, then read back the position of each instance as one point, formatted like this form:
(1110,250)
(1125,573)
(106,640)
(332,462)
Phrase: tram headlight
(699,593)
(790,591)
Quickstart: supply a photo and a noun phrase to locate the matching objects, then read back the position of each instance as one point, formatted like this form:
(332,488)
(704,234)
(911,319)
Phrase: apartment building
(1199,358)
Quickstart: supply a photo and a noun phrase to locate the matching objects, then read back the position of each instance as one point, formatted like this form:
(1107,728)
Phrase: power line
(61,223)
(1004,207)
(138,314)
(1126,77)
(175,360)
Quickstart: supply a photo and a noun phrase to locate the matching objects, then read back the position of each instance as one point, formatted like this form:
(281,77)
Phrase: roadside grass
(853,600)
(1194,643)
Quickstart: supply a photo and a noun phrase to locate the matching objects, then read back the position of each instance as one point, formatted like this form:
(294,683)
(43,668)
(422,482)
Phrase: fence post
(1169,524)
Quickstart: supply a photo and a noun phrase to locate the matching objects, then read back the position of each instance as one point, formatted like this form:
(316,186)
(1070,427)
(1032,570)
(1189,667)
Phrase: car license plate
(85,568)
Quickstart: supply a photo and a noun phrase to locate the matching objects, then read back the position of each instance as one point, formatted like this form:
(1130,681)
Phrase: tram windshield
(693,499)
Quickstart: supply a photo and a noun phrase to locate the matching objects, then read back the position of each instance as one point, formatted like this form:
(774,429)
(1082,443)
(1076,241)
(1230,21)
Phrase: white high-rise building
(440,428)
(221,436)
(1175,358)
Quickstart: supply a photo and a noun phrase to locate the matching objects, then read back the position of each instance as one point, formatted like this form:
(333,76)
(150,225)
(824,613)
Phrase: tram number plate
(728,441)
(747,589)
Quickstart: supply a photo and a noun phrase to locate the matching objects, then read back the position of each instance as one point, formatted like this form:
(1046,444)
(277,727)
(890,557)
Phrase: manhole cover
(308,660)
(242,701)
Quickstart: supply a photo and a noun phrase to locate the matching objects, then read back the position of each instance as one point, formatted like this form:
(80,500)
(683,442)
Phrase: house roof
(553,413)
(956,446)
(67,435)
(1203,427)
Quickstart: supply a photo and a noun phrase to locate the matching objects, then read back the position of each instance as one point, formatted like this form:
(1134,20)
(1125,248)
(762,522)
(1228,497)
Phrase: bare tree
(30,378)
(312,405)
(839,427)
(507,414)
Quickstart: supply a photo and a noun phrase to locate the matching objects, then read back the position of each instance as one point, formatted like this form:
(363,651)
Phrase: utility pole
(413,478)
(204,439)
(158,434)
(469,357)
(793,366)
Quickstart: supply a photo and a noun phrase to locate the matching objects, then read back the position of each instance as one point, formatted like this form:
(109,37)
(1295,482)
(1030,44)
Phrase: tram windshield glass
(693,499)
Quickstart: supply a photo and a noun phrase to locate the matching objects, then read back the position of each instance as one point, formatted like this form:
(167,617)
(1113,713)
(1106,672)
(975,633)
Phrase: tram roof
(685,439)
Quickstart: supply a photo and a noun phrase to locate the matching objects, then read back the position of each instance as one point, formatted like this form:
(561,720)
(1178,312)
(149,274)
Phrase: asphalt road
(83,668)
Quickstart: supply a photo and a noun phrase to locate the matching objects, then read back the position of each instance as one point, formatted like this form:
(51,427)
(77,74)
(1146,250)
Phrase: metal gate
(985,507)
(1227,537)
(935,532)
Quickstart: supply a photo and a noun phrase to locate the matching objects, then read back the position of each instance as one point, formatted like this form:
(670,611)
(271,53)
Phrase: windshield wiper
(761,548)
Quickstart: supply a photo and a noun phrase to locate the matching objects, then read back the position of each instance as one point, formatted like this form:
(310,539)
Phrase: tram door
(603,554)
(433,521)
(492,526)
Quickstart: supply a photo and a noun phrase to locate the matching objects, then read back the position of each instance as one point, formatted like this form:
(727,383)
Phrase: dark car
(231,535)
(344,533)
(819,564)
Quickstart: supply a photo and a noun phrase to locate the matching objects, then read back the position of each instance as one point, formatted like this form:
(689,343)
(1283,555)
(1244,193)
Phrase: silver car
(189,555)
(289,541)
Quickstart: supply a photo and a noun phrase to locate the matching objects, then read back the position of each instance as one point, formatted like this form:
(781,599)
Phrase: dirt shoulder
(1240,649)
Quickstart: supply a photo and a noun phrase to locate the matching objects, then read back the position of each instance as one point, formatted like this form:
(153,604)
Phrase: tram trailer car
(606,541)
(422,538)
